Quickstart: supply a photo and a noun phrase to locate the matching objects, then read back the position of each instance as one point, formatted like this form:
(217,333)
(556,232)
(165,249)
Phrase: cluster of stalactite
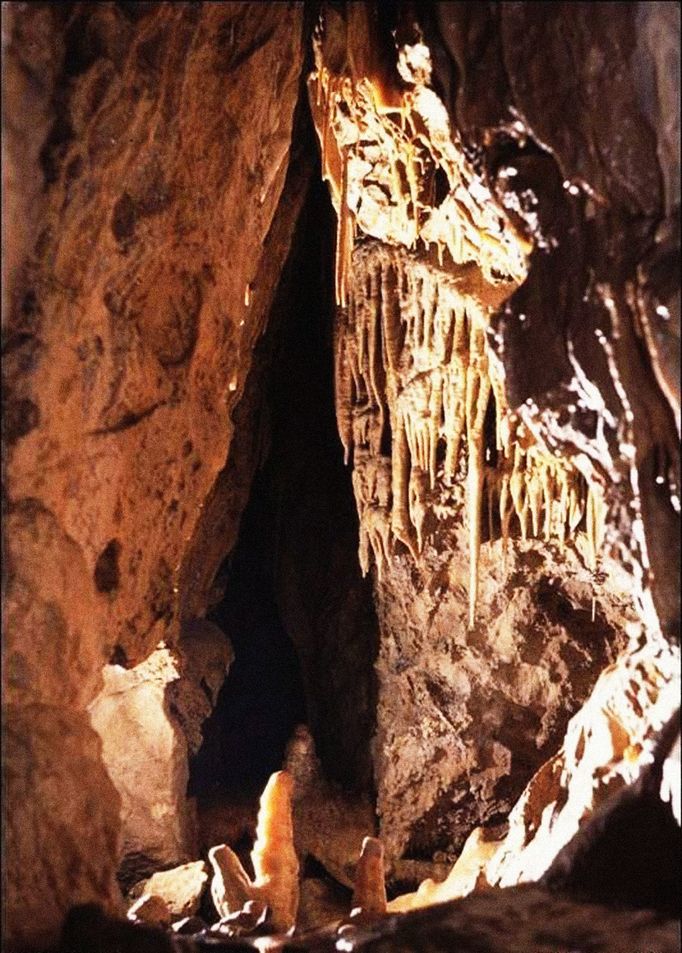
(385,143)
(415,381)
(421,412)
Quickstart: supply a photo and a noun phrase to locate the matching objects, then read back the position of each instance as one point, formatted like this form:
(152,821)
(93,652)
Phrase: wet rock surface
(604,217)
(138,357)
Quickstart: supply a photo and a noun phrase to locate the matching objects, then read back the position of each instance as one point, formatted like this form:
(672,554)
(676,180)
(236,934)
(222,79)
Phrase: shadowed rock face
(155,168)
(511,921)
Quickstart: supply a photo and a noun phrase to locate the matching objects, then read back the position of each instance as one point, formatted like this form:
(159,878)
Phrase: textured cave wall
(555,221)
(147,223)
(606,187)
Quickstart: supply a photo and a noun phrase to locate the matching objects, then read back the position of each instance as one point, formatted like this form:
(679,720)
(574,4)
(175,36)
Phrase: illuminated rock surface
(480,468)
(505,364)
(146,208)
(149,718)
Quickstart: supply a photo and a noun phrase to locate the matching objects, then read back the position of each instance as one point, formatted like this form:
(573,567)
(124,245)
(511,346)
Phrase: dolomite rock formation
(514,921)
(152,224)
(320,905)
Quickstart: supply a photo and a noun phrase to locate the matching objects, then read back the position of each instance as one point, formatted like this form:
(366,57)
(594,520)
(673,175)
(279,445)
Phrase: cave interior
(341,477)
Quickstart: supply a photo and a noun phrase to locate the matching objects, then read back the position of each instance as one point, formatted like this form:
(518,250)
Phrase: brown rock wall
(465,716)
(152,199)
(144,307)
(60,831)
(52,652)
(147,150)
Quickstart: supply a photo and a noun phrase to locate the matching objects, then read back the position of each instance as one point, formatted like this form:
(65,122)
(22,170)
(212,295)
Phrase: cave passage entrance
(296,609)
(262,698)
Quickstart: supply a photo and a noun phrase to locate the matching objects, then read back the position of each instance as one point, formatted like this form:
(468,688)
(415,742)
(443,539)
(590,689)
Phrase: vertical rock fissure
(296,609)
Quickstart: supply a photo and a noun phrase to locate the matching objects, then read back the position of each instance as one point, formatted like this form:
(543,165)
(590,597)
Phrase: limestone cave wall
(513,439)
(147,227)
(455,368)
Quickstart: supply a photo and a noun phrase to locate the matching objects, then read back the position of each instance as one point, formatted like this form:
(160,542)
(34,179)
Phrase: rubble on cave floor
(282,909)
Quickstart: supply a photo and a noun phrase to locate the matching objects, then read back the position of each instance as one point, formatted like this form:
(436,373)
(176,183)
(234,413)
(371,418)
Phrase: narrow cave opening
(295,607)
(262,699)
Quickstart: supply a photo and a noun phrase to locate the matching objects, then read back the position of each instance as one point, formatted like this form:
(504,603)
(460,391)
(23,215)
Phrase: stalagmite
(369,894)
(274,861)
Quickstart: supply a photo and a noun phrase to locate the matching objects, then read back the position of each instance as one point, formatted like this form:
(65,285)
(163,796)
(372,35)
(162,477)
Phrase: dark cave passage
(262,698)
(296,609)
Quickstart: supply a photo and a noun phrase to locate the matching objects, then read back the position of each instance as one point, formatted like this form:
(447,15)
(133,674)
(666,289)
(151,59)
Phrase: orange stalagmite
(273,856)
(369,894)
(274,861)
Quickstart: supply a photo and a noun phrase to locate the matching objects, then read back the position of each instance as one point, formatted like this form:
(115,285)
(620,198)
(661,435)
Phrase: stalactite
(477,394)
(412,362)
(400,478)
(413,371)
(464,224)
(454,394)
(595,523)
(417,503)
(343,393)
(344,236)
